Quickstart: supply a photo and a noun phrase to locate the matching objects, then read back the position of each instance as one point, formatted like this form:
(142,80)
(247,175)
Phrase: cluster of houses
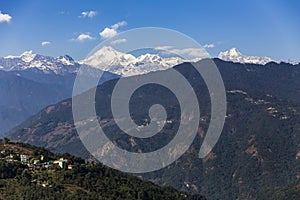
(36,163)
(41,163)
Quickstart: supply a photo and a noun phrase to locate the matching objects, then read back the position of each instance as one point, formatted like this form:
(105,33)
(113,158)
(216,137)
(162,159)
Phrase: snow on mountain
(27,56)
(107,55)
(109,59)
(106,59)
(66,60)
(235,56)
(30,61)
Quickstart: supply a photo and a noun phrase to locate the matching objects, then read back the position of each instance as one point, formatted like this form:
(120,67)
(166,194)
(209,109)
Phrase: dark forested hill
(40,178)
(259,149)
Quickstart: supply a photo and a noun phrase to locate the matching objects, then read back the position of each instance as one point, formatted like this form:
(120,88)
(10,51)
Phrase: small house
(24,158)
(62,163)
(35,162)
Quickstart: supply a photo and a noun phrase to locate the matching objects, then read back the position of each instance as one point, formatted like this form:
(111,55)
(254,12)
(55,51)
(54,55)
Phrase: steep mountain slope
(281,80)
(21,98)
(289,192)
(258,149)
(83,181)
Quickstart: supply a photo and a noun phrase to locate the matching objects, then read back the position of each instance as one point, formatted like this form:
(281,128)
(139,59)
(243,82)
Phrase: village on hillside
(33,162)
(37,160)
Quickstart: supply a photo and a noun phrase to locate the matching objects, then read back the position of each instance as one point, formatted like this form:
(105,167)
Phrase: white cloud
(119,41)
(45,43)
(209,46)
(119,24)
(188,53)
(110,32)
(84,37)
(4,17)
(89,14)
(191,52)
(163,48)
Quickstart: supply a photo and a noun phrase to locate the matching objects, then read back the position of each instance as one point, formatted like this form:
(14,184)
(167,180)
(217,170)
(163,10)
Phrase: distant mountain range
(126,64)
(30,82)
(235,55)
(53,78)
(48,65)
(110,60)
(105,59)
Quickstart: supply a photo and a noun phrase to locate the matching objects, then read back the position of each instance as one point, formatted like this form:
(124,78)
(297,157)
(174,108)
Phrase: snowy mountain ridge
(109,59)
(236,56)
(30,61)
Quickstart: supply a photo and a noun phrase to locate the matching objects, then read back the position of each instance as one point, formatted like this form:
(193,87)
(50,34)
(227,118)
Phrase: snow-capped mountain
(235,56)
(109,59)
(35,62)
(106,59)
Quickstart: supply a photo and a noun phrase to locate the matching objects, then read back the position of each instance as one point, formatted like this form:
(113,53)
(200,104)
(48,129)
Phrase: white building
(24,158)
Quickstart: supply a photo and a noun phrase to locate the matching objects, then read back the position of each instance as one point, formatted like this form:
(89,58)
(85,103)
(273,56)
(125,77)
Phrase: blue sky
(256,27)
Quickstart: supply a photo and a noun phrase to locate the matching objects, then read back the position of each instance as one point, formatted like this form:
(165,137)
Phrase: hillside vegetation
(84,181)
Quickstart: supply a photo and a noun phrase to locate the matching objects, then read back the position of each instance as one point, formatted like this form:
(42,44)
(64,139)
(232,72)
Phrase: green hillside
(39,177)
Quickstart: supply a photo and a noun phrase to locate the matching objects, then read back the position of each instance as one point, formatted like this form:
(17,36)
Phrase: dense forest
(83,181)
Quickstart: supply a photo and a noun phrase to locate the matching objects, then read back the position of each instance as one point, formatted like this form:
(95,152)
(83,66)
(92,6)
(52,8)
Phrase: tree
(5,140)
